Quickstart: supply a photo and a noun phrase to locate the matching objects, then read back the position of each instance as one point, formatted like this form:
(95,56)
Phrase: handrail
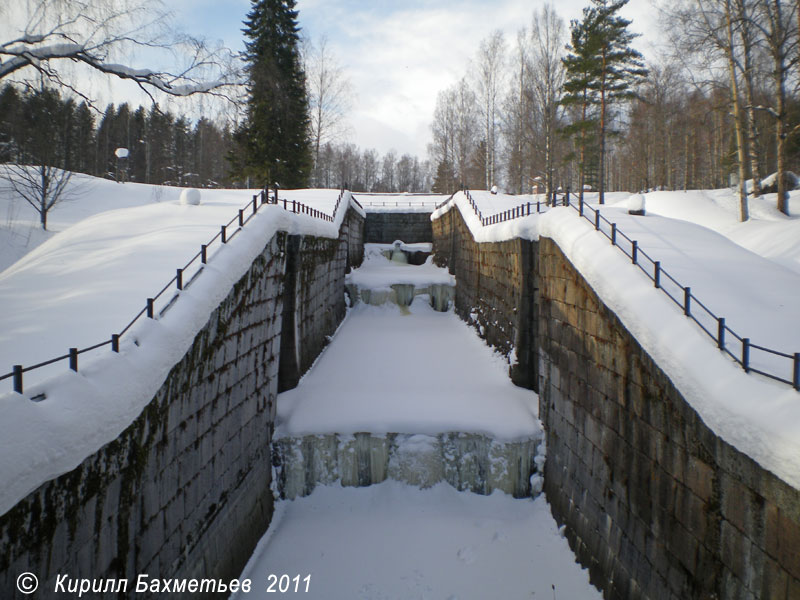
(240,220)
(524,209)
(705,319)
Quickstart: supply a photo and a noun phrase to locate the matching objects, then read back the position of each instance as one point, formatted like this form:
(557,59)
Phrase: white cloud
(399,55)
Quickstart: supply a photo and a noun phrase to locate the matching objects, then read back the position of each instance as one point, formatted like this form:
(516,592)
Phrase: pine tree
(601,69)
(274,139)
(620,68)
(579,90)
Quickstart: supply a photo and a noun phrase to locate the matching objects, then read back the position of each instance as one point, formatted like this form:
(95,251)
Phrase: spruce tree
(602,67)
(275,146)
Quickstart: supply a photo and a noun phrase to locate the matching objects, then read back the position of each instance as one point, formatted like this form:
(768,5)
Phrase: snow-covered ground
(395,542)
(416,371)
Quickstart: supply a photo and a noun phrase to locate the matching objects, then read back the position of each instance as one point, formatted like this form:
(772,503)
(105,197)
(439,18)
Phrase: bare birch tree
(547,74)
(780,32)
(47,36)
(707,31)
(329,95)
(489,74)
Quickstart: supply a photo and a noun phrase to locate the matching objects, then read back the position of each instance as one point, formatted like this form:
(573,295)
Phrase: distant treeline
(42,127)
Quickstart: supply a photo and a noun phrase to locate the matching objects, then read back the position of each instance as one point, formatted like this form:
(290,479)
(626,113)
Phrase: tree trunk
(602,178)
(686,162)
(737,119)
(780,141)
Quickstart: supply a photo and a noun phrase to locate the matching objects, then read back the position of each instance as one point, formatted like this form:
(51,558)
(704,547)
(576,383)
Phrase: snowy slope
(768,232)
(90,281)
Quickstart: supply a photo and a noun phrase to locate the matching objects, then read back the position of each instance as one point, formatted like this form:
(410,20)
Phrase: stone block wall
(656,505)
(315,295)
(386,227)
(496,290)
(185,490)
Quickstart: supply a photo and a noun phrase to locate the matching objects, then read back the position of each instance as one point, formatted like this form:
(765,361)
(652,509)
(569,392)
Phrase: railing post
(223,235)
(150,308)
(746,354)
(294,206)
(241,217)
(597,220)
(284,203)
(255,203)
(203,254)
(529,208)
(687,301)
(721,333)
(580,206)
(179,279)
(634,251)
(115,342)
(796,377)
(18,378)
(566,197)
(613,234)
(657,274)
(73,359)
(538,207)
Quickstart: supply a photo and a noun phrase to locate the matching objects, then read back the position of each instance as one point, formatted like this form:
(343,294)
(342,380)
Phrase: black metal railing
(401,204)
(739,348)
(524,209)
(181,280)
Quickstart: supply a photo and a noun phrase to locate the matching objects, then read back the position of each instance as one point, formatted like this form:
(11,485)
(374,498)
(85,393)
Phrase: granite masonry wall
(386,227)
(496,291)
(315,295)
(184,491)
(655,504)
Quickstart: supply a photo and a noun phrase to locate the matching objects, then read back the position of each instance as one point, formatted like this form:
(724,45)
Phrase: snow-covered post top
(636,205)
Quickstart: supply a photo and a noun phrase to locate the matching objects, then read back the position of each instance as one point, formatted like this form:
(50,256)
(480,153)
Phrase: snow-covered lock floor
(415,371)
(393,542)
(422,372)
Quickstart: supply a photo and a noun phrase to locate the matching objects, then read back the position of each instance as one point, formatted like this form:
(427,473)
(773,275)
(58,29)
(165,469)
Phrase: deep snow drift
(394,542)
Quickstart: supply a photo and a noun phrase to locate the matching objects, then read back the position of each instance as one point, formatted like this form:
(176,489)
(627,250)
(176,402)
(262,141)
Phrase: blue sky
(398,54)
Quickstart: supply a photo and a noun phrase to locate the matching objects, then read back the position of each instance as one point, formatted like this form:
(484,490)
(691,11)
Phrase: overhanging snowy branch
(104,37)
